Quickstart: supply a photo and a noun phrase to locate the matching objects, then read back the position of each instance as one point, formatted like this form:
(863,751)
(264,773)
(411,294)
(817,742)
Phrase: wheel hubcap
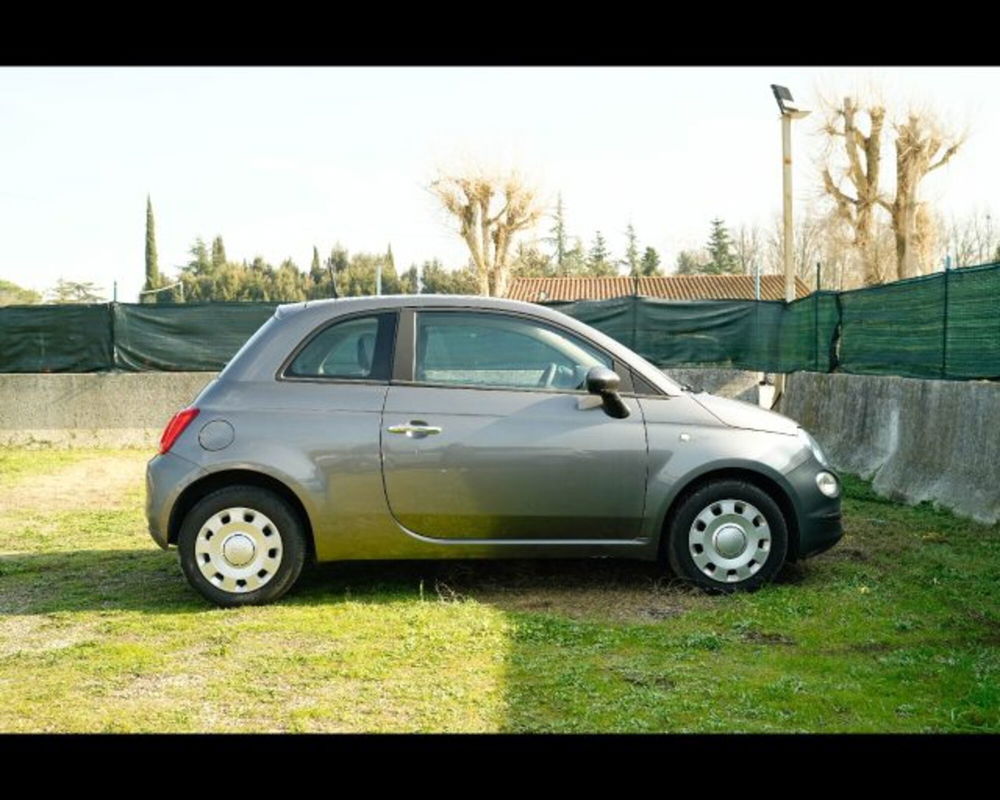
(729,540)
(238,549)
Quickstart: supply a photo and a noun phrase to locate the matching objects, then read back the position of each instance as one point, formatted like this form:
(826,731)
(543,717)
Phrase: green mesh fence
(64,338)
(183,336)
(972,349)
(945,325)
(722,333)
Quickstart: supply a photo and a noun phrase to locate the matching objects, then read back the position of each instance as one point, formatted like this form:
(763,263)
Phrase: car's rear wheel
(242,545)
(727,535)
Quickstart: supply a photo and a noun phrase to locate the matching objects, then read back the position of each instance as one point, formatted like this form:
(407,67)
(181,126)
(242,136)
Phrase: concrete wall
(126,409)
(129,409)
(916,439)
(733,383)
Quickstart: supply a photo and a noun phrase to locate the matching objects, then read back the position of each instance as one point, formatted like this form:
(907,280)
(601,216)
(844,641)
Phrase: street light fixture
(789,110)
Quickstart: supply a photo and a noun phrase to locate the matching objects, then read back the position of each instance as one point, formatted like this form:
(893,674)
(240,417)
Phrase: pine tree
(722,260)
(530,262)
(690,263)
(200,263)
(599,259)
(218,253)
(76,292)
(631,259)
(152,267)
(650,264)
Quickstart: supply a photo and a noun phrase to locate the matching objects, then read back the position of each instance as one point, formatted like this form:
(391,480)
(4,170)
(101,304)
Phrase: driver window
(500,351)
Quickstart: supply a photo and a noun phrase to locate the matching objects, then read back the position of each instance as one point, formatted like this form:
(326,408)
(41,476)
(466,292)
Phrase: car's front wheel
(727,535)
(242,545)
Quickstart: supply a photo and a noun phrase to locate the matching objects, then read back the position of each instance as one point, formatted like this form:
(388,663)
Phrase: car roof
(335,306)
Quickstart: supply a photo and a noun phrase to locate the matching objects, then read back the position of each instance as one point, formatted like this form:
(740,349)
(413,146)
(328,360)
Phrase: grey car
(432,426)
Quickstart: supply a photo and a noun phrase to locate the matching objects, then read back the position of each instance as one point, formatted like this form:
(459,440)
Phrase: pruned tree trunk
(488,232)
(857,205)
(918,142)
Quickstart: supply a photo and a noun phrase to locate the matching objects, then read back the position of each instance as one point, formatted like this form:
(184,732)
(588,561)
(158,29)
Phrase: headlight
(827,484)
(813,445)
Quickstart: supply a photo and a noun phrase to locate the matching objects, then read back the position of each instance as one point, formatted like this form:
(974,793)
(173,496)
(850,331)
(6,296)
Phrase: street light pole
(789,111)
(786,186)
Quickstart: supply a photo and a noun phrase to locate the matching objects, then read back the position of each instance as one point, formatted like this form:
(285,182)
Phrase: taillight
(178,422)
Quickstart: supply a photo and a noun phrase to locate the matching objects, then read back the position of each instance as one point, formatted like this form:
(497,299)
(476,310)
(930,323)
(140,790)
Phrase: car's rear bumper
(820,522)
(167,476)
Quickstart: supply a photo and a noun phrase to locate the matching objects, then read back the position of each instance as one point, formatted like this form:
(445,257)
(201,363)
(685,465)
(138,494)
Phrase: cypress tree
(632,251)
(316,271)
(152,268)
(559,235)
(218,253)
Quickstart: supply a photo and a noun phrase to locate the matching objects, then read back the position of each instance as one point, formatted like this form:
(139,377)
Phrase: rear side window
(359,348)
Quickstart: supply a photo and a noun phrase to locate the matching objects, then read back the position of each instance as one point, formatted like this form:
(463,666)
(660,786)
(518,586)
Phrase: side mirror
(604,383)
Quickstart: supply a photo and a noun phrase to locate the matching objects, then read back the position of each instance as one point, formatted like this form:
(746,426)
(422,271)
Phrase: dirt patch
(760,637)
(848,554)
(628,592)
(584,589)
(637,678)
(38,633)
(92,483)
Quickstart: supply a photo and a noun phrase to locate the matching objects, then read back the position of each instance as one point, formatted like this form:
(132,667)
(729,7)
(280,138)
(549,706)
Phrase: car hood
(738,414)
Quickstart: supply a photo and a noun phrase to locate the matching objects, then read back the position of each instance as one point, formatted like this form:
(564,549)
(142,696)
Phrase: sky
(276,160)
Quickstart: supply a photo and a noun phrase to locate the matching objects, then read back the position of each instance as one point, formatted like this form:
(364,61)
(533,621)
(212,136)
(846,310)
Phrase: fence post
(635,313)
(816,322)
(837,340)
(944,325)
(112,329)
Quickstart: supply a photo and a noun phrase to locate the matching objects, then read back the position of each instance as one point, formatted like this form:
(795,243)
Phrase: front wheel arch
(758,479)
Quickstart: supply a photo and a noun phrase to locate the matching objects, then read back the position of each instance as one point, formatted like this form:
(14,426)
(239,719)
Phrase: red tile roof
(670,287)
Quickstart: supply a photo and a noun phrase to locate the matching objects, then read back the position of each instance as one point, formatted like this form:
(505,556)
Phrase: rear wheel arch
(237,477)
(762,481)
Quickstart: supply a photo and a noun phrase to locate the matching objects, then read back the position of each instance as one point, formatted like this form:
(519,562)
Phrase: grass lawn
(894,630)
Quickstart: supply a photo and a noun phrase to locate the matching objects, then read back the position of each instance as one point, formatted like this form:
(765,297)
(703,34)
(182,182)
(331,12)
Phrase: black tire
(703,502)
(290,553)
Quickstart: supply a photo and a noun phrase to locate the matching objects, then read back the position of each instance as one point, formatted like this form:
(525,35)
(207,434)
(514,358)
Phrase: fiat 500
(425,427)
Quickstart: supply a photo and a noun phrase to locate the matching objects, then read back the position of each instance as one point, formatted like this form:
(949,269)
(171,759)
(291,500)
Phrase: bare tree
(823,236)
(491,209)
(972,240)
(807,245)
(860,130)
(748,247)
(921,147)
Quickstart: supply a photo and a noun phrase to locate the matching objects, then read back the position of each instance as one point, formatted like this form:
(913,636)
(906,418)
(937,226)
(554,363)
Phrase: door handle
(415,429)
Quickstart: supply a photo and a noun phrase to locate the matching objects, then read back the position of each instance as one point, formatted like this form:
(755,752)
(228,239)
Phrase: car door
(487,433)
(327,406)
